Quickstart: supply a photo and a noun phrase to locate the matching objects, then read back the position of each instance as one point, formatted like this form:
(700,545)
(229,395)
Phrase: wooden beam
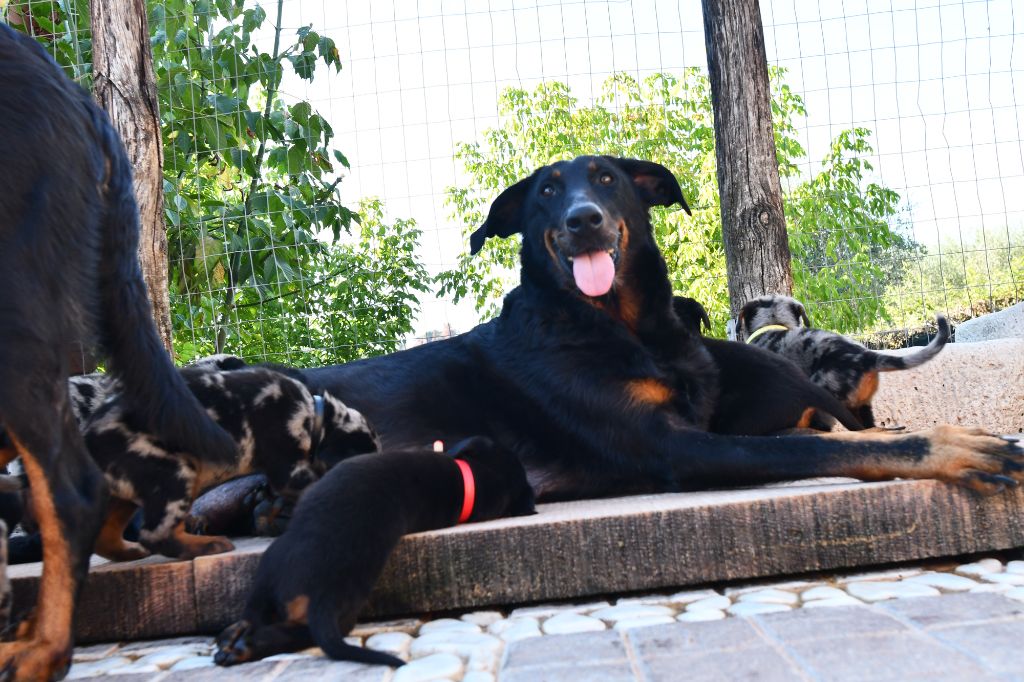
(125,86)
(753,224)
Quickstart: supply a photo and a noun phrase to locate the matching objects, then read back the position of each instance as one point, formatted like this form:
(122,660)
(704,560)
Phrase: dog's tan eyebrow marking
(592,166)
(556,173)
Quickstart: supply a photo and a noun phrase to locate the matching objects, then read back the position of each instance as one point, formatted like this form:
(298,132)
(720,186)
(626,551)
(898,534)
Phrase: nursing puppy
(841,366)
(277,423)
(313,581)
(760,393)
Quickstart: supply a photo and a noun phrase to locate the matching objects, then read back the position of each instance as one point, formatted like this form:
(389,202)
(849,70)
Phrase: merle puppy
(281,429)
(760,393)
(69,275)
(841,366)
(313,581)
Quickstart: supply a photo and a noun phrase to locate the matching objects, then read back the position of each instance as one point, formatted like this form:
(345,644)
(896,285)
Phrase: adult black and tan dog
(593,381)
(313,581)
(69,273)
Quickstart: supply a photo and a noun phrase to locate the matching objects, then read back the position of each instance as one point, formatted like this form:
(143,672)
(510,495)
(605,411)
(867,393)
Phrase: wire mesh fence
(324,161)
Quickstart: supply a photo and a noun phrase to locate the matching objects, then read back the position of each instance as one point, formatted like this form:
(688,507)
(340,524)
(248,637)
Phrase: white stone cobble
(469,647)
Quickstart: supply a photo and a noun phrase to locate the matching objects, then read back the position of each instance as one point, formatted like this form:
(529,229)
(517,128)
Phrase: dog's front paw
(975,458)
(234,644)
(271,517)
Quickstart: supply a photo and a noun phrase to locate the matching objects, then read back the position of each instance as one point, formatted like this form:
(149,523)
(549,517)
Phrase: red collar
(469,490)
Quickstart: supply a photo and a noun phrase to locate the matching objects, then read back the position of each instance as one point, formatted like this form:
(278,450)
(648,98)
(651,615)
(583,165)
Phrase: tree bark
(753,224)
(124,84)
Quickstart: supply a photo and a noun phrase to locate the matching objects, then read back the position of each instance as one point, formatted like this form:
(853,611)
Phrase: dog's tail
(137,357)
(889,363)
(329,636)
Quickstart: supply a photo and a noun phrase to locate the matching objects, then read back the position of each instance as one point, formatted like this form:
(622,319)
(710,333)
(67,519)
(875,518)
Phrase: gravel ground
(469,647)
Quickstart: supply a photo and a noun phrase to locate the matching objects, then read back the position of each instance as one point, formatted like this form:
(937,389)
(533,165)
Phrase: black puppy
(760,393)
(69,275)
(313,580)
(841,366)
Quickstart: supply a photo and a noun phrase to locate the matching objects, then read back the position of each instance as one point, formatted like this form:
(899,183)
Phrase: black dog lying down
(760,393)
(841,366)
(281,429)
(592,380)
(314,579)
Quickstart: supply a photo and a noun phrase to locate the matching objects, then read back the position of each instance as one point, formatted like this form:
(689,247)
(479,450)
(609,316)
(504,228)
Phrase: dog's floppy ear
(656,184)
(503,218)
(800,313)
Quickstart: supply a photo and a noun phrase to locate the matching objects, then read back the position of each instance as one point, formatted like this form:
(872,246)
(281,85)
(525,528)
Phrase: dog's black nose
(583,216)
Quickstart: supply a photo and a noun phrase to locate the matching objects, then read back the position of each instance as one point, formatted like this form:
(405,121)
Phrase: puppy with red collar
(313,581)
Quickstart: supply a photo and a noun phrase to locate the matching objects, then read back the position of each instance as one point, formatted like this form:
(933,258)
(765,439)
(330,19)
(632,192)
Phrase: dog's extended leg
(965,456)
(68,493)
(111,543)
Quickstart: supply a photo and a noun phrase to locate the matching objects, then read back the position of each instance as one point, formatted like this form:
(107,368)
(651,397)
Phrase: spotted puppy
(313,581)
(280,427)
(841,366)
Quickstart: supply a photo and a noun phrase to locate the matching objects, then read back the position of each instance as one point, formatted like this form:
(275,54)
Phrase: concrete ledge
(973,384)
(579,549)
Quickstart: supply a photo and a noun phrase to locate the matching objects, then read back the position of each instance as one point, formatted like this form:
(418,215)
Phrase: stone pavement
(942,620)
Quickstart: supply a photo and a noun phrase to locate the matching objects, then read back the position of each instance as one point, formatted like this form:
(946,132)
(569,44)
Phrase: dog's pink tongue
(594,272)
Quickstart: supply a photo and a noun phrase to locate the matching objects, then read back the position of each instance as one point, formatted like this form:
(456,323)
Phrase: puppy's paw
(271,517)
(234,644)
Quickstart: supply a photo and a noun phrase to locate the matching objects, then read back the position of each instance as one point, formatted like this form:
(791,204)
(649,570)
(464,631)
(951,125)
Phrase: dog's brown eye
(606,178)
(547,191)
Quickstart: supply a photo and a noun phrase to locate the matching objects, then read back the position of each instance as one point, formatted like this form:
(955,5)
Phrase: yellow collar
(765,329)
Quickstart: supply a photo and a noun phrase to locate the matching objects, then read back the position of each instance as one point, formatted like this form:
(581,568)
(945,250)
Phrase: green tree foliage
(263,259)
(836,219)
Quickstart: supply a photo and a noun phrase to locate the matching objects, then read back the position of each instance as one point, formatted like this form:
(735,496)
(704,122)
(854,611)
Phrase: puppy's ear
(741,321)
(655,183)
(800,313)
(704,317)
(504,218)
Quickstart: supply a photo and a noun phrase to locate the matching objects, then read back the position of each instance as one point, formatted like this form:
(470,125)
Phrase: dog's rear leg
(111,543)
(68,492)
(245,641)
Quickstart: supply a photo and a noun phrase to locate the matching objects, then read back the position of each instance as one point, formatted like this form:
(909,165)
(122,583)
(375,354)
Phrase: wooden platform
(580,549)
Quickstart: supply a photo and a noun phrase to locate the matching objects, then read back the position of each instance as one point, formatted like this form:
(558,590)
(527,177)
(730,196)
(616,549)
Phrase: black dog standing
(314,579)
(69,273)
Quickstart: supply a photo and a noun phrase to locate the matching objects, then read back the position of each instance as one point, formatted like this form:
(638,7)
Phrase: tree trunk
(753,225)
(125,86)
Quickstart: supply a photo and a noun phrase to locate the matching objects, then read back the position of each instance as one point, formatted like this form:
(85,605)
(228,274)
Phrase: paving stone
(753,608)
(96,668)
(482,618)
(571,623)
(326,670)
(453,642)
(168,657)
(690,596)
(657,599)
(645,622)
(845,600)
(763,664)
(894,656)
(993,588)
(1015,593)
(809,624)
(200,644)
(547,610)
(980,567)
(135,667)
(193,662)
(872,591)
(593,647)
(1015,579)
(688,638)
(486,661)
(448,625)
(94,652)
(435,667)
(631,612)
(598,672)
(410,625)
(876,576)
(717,603)
(997,645)
(395,643)
(955,609)
(770,596)
(700,615)
(257,670)
(478,676)
(520,628)
(947,582)
(822,592)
